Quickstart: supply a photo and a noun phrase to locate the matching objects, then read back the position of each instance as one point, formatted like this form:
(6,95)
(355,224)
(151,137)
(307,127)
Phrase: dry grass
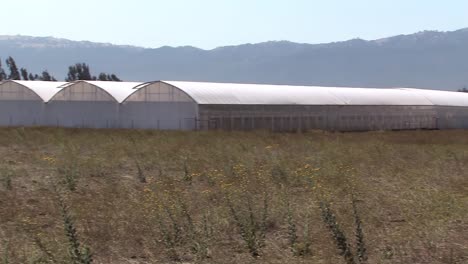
(159,197)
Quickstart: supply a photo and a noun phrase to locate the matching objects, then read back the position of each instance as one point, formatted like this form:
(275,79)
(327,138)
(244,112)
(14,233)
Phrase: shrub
(338,235)
(77,253)
(251,232)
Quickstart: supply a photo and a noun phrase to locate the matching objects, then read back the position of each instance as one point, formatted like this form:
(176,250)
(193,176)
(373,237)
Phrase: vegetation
(22,74)
(79,71)
(3,75)
(77,254)
(463,90)
(129,196)
(14,73)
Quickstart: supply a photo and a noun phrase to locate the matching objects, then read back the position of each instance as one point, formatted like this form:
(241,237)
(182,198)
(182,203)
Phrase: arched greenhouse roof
(442,98)
(260,94)
(45,90)
(118,90)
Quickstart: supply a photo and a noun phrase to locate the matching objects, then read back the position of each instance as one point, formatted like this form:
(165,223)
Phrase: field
(122,196)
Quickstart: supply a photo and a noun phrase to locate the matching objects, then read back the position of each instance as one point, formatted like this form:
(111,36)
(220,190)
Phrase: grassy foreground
(76,196)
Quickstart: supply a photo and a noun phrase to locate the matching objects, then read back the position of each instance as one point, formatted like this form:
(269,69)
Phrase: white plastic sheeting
(260,94)
(45,90)
(228,93)
(118,90)
(442,98)
(375,96)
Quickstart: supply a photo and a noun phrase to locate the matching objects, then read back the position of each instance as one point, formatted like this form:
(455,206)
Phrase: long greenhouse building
(175,105)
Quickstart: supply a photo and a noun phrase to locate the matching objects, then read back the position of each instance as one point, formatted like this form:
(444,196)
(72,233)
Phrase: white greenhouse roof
(119,90)
(228,93)
(45,90)
(261,94)
(442,97)
(376,96)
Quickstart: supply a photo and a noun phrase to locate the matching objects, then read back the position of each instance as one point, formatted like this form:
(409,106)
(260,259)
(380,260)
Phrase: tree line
(76,72)
(463,90)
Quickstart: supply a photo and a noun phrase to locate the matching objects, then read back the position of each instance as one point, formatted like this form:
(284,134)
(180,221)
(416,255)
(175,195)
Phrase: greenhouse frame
(177,105)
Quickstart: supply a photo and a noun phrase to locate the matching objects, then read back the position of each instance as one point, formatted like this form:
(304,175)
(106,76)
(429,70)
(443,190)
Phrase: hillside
(215,197)
(426,59)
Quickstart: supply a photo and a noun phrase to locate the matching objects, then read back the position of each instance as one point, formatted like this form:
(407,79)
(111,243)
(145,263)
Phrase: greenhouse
(293,108)
(178,105)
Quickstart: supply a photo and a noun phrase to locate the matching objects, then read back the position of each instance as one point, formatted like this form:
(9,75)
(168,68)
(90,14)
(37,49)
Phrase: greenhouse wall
(304,117)
(452,117)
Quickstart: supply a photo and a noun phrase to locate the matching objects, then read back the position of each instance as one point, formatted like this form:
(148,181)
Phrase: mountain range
(428,59)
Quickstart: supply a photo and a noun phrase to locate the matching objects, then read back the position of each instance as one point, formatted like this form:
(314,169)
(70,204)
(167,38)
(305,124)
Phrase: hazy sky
(211,23)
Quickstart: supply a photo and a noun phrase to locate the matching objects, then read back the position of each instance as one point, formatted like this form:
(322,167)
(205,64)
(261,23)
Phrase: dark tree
(83,72)
(102,77)
(108,77)
(14,72)
(72,74)
(79,71)
(24,74)
(3,75)
(114,78)
(47,77)
(463,90)
(33,77)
